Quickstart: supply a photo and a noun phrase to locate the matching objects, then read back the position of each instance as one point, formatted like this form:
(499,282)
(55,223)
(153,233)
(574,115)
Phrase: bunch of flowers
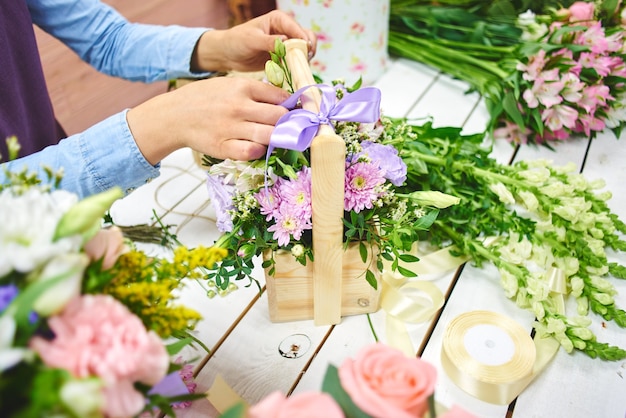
(265,205)
(544,77)
(379,381)
(528,219)
(84,314)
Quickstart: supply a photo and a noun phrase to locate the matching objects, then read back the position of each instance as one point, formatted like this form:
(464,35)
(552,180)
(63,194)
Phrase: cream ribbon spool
(492,357)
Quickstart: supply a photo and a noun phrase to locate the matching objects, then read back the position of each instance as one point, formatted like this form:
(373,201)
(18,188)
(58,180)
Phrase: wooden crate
(334,285)
(290,289)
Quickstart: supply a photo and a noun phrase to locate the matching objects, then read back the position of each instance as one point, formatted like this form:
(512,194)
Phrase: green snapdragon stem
(479,172)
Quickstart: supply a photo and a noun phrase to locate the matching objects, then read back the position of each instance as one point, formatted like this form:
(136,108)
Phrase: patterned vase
(351,36)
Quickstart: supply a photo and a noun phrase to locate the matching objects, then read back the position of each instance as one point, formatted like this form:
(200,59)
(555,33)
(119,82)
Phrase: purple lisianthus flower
(7,294)
(386,156)
(221,194)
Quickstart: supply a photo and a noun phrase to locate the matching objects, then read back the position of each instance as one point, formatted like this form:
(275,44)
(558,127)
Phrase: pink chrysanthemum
(288,224)
(297,193)
(362,181)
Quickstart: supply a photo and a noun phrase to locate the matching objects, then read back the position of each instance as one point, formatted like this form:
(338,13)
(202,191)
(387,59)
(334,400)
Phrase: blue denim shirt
(106,154)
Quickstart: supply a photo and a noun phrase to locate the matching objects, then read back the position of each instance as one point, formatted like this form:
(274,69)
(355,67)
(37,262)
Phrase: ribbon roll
(492,357)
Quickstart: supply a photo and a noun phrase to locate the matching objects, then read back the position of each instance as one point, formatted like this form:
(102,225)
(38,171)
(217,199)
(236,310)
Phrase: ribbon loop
(296,129)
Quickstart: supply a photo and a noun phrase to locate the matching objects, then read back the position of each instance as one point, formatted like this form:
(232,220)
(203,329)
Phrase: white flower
(517,249)
(542,255)
(530,200)
(577,284)
(537,176)
(602,284)
(9,355)
(29,222)
(557,189)
(509,283)
(569,265)
(502,192)
(69,266)
(83,397)
(582,305)
(297,250)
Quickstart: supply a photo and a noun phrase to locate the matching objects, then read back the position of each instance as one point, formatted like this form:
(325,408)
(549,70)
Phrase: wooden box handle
(328,156)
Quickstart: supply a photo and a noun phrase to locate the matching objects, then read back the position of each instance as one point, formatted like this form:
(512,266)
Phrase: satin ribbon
(222,396)
(499,383)
(296,129)
(407,302)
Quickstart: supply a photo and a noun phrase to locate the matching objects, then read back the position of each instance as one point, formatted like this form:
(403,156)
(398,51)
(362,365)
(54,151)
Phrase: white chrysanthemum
(27,225)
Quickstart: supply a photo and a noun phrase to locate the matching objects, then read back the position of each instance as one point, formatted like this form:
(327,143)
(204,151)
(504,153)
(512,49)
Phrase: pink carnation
(96,335)
(383,382)
(302,405)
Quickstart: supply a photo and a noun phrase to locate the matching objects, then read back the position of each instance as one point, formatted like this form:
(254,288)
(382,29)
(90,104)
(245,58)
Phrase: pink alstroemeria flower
(546,93)
(595,96)
(559,116)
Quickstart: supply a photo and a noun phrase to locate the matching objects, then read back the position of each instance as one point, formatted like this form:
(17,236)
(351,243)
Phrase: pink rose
(456,412)
(581,11)
(383,382)
(302,405)
(107,245)
(97,336)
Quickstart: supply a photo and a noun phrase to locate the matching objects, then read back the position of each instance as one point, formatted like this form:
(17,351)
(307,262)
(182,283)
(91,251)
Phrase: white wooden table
(245,344)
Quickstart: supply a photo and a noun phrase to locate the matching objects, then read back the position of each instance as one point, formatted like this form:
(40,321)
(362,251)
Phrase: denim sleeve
(93,161)
(106,40)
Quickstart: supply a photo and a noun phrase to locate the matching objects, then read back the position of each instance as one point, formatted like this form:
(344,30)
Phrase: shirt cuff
(179,52)
(112,158)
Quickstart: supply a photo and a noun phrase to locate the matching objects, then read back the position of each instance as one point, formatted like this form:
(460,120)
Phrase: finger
(266,93)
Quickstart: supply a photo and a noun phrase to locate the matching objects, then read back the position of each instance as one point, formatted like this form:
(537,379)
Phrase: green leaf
(510,107)
(236,411)
(332,386)
(406,272)
(371,279)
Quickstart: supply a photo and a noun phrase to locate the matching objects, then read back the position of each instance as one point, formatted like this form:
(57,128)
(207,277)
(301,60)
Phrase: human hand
(246,47)
(224,117)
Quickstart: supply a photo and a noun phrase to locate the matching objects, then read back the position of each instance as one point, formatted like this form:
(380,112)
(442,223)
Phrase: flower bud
(434,199)
(85,217)
(297,250)
(68,270)
(83,397)
(274,73)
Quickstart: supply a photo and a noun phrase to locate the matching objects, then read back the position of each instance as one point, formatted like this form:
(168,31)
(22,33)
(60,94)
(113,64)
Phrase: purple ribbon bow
(296,129)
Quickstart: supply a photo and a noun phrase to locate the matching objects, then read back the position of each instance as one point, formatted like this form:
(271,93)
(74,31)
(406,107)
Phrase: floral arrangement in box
(89,324)
(380,381)
(544,77)
(540,218)
(266,204)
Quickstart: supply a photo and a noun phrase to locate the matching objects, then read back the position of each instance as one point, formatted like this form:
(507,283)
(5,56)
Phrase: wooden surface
(246,345)
(81,96)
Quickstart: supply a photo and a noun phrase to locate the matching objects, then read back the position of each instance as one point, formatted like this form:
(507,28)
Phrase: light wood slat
(249,359)
(402,85)
(446,102)
(575,385)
